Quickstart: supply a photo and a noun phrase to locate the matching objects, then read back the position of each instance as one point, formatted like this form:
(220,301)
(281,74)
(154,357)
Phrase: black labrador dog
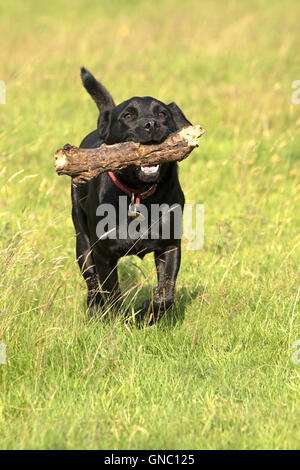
(144,120)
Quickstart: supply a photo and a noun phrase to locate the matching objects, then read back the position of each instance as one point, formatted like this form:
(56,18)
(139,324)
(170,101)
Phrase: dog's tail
(97,91)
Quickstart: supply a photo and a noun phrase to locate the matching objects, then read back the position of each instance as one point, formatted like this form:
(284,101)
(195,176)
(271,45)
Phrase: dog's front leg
(167,265)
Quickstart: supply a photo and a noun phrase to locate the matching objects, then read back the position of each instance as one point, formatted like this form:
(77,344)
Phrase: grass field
(220,376)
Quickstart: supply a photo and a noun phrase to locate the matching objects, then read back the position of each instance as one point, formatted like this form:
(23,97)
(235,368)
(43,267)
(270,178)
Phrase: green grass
(220,375)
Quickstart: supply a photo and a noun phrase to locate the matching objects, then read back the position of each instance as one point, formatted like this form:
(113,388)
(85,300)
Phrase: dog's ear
(97,91)
(104,122)
(178,117)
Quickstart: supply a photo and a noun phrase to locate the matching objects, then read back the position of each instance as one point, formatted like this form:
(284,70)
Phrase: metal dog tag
(133,212)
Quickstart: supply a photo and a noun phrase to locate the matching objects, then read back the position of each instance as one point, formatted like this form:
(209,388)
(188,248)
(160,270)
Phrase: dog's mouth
(153,170)
(148,174)
(149,170)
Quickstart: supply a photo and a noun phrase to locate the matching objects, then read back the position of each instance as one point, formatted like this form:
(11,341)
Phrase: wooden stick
(84,164)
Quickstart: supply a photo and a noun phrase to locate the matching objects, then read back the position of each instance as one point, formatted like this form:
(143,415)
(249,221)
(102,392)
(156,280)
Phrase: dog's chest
(115,233)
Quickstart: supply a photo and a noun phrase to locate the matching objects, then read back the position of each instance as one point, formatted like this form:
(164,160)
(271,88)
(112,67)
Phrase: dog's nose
(150,124)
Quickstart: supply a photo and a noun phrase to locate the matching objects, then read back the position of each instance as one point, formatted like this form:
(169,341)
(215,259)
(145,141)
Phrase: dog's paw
(95,310)
(144,313)
(95,305)
(151,311)
(104,310)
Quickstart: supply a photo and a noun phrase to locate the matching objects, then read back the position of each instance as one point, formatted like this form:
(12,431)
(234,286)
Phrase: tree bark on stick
(84,164)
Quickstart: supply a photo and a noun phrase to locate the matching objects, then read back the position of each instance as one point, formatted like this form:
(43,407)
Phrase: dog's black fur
(141,120)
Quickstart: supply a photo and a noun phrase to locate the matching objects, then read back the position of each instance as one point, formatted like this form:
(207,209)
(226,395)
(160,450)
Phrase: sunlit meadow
(218,373)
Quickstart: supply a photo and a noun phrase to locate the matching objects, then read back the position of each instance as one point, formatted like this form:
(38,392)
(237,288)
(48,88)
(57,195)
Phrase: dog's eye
(162,115)
(128,116)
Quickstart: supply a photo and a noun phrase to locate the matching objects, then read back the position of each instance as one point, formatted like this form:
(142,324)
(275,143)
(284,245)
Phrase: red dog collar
(137,193)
